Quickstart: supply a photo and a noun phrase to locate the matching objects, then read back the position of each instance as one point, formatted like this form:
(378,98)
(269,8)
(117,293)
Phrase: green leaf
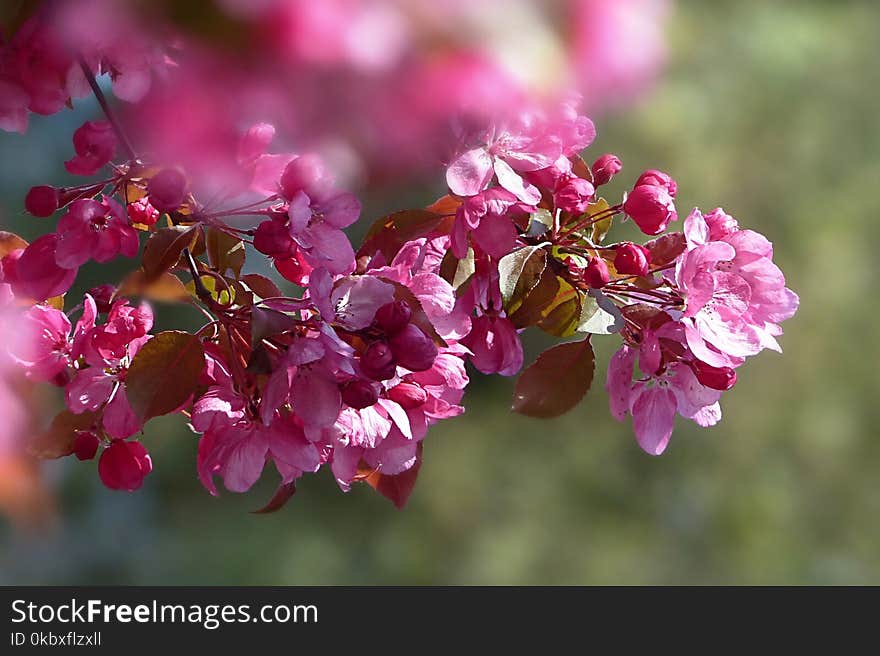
(556,382)
(600,228)
(599,315)
(562,316)
(225,252)
(520,271)
(164,374)
(163,249)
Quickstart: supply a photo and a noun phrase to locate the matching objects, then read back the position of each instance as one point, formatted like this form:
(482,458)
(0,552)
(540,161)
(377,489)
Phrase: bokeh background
(767,109)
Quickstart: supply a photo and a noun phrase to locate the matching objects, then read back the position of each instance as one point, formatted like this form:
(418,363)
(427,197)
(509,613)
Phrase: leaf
(563,314)
(163,248)
(556,382)
(225,252)
(266,323)
(540,221)
(261,285)
(447,205)
(218,293)
(396,488)
(164,373)
(599,315)
(390,233)
(56,302)
(166,288)
(57,441)
(282,495)
(520,271)
(666,248)
(602,227)
(9,241)
(533,308)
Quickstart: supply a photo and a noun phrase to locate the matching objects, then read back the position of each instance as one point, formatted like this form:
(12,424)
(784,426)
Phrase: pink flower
(654,401)
(735,296)
(38,276)
(653,177)
(45,349)
(124,465)
(574,194)
(95,145)
(487,219)
(93,230)
(495,346)
(141,212)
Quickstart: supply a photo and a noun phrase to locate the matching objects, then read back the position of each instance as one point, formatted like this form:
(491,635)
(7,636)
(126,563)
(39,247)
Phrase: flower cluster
(346,362)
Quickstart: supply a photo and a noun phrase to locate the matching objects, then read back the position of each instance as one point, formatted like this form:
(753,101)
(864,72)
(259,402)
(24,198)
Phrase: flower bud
(377,362)
(140,211)
(605,168)
(413,349)
(42,201)
(574,195)
(658,179)
(272,238)
(85,446)
(408,395)
(167,190)
(632,259)
(124,465)
(596,274)
(359,394)
(294,268)
(306,174)
(717,378)
(651,207)
(393,317)
(103,295)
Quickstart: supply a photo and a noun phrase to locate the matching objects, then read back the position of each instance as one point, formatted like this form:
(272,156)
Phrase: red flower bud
(103,295)
(413,349)
(605,168)
(717,378)
(273,238)
(359,394)
(85,446)
(140,211)
(294,268)
(306,174)
(651,207)
(42,201)
(393,317)
(377,362)
(574,195)
(124,465)
(658,179)
(167,190)
(632,259)
(408,395)
(596,274)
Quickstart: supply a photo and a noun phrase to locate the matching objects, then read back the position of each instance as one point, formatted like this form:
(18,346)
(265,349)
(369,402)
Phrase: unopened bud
(413,349)
(167,190)
(377,362)
(651,207)
(408,395)
(359,394)
(596,274)
(393,317)
(42,201)
(605,168)
(85,446)
(632,259)
(658,179)
(717,378)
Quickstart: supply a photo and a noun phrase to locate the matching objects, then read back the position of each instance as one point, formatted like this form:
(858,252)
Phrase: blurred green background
(769,109)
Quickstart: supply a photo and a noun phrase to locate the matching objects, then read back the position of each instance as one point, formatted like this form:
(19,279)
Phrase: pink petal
(653,412)
(315,398)
(618,382)
(470,172)
(119,419)
(89,390)
(514,183)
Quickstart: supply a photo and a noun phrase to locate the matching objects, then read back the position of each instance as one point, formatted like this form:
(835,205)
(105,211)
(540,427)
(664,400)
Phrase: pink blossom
(651,207)
(95,145)
(486,218)
(735,295)
(495,345)
(38,276)
(93,230)
(46,348)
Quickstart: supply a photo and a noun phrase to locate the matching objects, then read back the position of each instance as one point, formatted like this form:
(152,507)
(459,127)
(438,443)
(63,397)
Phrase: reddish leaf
(57,441)
(261,285)
(266,323)
(447,205)
(556,382)
(226,253)
(164,373)
(166,288)
(389,233)
(163,249)
(396,488)
(282,495)
(666,248)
